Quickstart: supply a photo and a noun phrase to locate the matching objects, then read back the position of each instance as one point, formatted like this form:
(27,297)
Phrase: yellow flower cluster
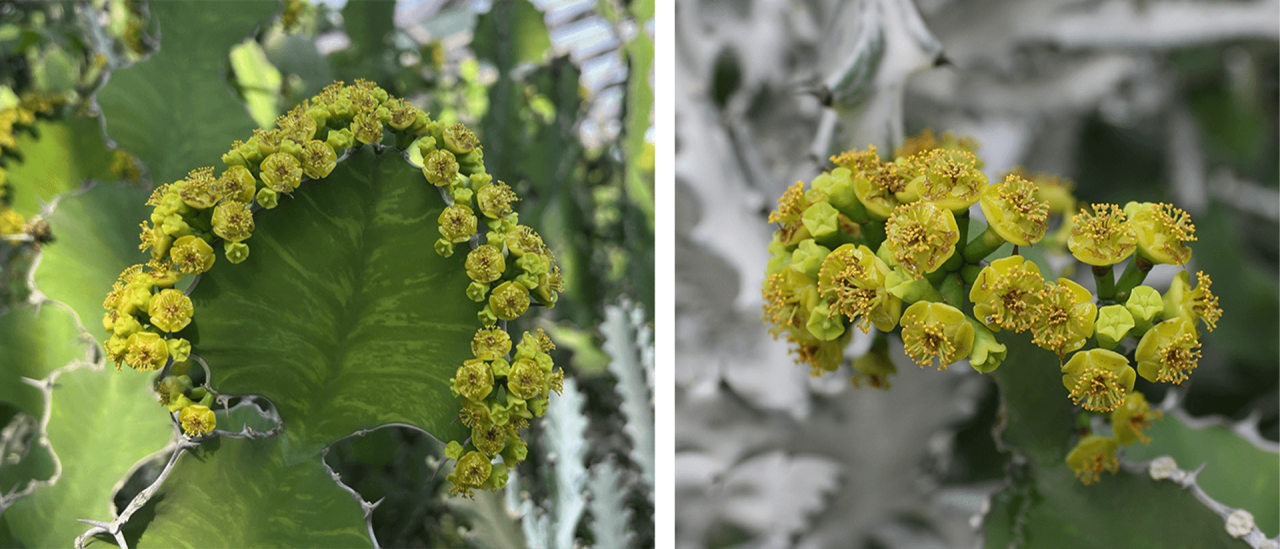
(890,244)
(146,316)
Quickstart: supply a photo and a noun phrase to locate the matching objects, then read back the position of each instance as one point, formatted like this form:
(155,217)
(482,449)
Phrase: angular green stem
(983,245)
(1133,275)
(1106,281)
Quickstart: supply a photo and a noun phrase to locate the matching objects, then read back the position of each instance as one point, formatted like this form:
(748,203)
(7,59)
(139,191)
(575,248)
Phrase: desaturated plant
(890,244)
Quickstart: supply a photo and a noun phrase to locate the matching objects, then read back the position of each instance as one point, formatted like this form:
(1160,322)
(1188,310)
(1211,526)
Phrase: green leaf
(1047,506)
(343,316)
(102,423)
(1237,473)
(244,493)
(35,342)
(511,33)
(259,82)
(175,110)
(367,23)
(96,238)
(65,155)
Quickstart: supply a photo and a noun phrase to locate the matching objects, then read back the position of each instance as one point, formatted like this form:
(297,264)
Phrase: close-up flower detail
(1101,237)
(1064,318)
(1161,231)
(191,255)
(935,331)
(784,295)
(921,237)
(490,343)
(876,184)
(474,380)
(951,179)
(170,310)
(1169,351)
(1006,293)
(791,207)
(1132,418)
(318,159)
(199,189)
(282,172)
(237,183)
(440,167)
(1093,455)
(852,282)
(1195,304)
(1098,379)
(1144,304)
(233,221)
(485,264)
(495,199)
(146,351)
(457,223)
(197,420)
(509,300)
(1014,211)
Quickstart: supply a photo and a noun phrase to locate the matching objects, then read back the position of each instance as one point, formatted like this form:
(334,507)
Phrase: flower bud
(1113,324)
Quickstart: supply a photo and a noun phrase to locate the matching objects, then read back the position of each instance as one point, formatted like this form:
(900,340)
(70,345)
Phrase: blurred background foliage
(1131,100)
(559,92)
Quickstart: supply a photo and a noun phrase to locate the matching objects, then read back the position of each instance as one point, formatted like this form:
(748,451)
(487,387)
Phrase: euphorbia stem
(1133,275)
(983,245)
(1106,281)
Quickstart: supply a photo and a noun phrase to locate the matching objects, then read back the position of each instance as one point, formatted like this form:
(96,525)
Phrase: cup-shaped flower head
(1194,304)
(1014,211)
(1064,318)
(146,351)
(852,282)
(1161,232)
(1093,455)
(527,380)
(485,264)
(926,141)
(1102,237)
(440,167)
(824,323)
(790,212)
(1006,293)
(1098,379)
(282,172)
(457,223)
(197,420)
(472,471)
(170,310)
(318,159)
(509,300)
(200,190)
(1169,351)
(951,180)
(233,221)
(494,199)
(821,219)
(473,380)
(1132,418)
(489,437)
(875,183)
(490,343)
(935,330)
(785,297)
(192,255)
(1113,324)
(921,237)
